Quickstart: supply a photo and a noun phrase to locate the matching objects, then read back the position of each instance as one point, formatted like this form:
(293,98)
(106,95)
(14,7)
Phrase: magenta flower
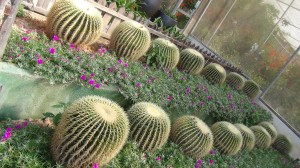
(188,90)
(158,158)
(72,46)
(205,90)
(55,38)
(83,77)
(233,106)
(18,126)
(97,86)
(212,152)
(209,98)
(92,75)
(8,129)
(91,82)
(40,61)
(25,124)
(170,98)
(95,165)
(229,96)
(202,104)
(52,50)
(211,161)
(102,50)
(126,65)
(154,78)
(120,61)
(198,163)
(138,85)
(149,81)
(182,78)
(25,39)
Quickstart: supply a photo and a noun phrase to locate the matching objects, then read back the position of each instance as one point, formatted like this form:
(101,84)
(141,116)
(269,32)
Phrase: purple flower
(102,50)
(55,38)
(170,98)
(120,61)
(188,90)
(25,39)
(18,126)
(211,161)
(199,161)
(205,90)
(7,135)
(202,104)
(149,81)
(52,50)
(154,78)
(8,129)
(72,46)
(233,106)
(83,77)
(98,85)
(209,98)
(182,78)
(92,75)
(91,82)
(95,165)
(198,164)
(212,152)
(25,123)
(110,69)
(253,103)
(40,61)
(158,158)
(138,85)
(229,96)
(126,65)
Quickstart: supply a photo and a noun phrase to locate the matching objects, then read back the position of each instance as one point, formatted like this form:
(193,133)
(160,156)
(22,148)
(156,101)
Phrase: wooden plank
(2,8)
(130,15)
(116,22)
(107,17)
(102,2)
(46,4)
(40,3)
(35,8)
(7,26)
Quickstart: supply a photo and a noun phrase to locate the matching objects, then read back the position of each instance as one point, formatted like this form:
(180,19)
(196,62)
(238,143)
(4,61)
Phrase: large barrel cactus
(248,137)
(214,73)
(149,125)
(192,135)
(262,137)
(251,89)
(191,61)
(130,39)
(92,130)
(270,128)
(76,21)
(235,81)
(283,144)
(227,138)
(164,53)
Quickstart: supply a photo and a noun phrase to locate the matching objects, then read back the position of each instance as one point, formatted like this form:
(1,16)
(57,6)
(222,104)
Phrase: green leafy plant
(191,61)
(77,22)
(149,125)
(227,138)
(235,81)
(92,130)
(21,13)
(56,117)
(262,137)
(248,137)
(282,144)
(131,40)
(270,128)
(192,135)
(214,73)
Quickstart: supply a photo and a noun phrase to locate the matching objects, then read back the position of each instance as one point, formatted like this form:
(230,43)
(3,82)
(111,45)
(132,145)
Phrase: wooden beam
(2,9)
(7,26)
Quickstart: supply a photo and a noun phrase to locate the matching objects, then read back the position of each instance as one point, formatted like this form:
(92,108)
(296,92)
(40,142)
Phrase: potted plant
(167,18)
(150,7)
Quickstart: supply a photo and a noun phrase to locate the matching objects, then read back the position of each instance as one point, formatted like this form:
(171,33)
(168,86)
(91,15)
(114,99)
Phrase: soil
(46,122)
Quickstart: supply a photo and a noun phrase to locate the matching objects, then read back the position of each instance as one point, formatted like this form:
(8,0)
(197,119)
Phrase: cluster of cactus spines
(270,128)
(282,144)
(248,137)
(191,61)
(131,40)
(214,73)
(227,138)
(235,80)
(167,53)
(92,130)
(192,135)
(251,89)
(262,137)
(75,21)
(149,125)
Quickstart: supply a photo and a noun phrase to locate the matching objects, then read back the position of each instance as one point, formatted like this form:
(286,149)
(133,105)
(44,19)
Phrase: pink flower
(8,129)
(18,126)
(182,78)
(253,103)
(126,65)
(40,61)
(72,46)
(25,124)
(138,85)
(229,96)
(188,90)
(92,75)
(97,86)
(52,50)
(95,165)
(202,104)
(83,77)
(25,39)
(55,38)
(27,31)
(212,152)
(209,98)
(211,161)
(120,61)
(233,106)
(170,98)
(205,90)
(102,50)
(158,158)
(91,82)
(149,81)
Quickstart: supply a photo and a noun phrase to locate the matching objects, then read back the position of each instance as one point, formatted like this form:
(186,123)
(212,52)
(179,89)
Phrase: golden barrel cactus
(191,61)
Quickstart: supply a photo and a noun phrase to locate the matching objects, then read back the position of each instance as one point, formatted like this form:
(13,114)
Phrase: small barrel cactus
(214,73)
(270,128)
(248,137)
(191,61)
(76,21)
(92,130)
(262,137)
(164,53)
(149,125)
(282,144)
(228,139)
(251,89)
(130,39)
(235,81)
(192,135)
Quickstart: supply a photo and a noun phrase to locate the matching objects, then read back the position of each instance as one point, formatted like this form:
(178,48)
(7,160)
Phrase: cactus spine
(191,61)
(149,125)
(92,130)
(270,128)
(248,137)
(76,21)
(228,139)
(214,73)
(251,89)
(166,54)
(283,144)
(192,135)
(131,40)
(235,80)
(262,137)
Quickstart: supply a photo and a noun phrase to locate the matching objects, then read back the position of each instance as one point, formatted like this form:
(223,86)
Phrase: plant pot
(166,19)
(150,7)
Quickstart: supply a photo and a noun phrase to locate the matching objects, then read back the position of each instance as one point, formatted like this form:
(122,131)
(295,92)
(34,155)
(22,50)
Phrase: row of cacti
(94,129)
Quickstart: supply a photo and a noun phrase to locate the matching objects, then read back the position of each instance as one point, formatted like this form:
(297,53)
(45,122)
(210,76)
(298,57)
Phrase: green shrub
(192,135)
(191,61)
(227,138)
(130,39)
(248,137)
(91,130)
(75,21)
(262,137)
(283,144)
(163,53)
(214,73)
(149,125)
(270,128)
(235,80)
(251,89)
(21,12)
